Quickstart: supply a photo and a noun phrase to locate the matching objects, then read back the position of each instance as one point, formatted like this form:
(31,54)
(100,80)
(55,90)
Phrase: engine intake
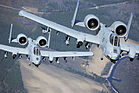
(91,22)
(41,41)
(22,39)
(119,28)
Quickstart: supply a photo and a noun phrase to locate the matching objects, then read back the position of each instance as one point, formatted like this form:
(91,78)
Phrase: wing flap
(14,50)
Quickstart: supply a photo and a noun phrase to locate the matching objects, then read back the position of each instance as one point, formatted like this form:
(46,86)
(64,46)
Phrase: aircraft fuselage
(34,53)
(109,43)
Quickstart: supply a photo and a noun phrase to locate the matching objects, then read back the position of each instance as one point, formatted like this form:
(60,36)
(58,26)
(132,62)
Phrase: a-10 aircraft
(34,51)
(107,38)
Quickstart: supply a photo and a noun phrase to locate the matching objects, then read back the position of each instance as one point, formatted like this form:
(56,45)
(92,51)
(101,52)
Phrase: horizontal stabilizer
(78,23)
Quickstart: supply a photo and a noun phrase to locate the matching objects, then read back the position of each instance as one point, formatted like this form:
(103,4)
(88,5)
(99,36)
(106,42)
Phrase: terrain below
(50,79)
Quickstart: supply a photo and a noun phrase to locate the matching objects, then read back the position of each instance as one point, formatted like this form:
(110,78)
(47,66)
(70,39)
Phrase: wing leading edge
(71,32)
(14,50)
(52,54)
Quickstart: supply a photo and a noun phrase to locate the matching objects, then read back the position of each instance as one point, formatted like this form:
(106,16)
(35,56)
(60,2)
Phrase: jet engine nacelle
(41,41)
(22,39)
(91,22)
(119,28)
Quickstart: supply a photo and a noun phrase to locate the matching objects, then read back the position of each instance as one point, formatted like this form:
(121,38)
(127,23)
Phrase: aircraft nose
(37,63)
(114,56)
(36,60)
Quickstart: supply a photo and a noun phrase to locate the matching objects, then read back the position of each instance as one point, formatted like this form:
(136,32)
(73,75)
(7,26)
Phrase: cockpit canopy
(36,51)
(114,40)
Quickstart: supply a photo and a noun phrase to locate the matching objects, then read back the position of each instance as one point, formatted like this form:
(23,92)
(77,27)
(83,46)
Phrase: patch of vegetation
(52,6)
(10,75)
(94,77)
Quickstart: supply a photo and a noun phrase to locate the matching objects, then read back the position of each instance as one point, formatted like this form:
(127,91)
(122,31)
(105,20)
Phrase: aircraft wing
(71,32)
(52,54)
(132,49)
(13,50)
(128,47)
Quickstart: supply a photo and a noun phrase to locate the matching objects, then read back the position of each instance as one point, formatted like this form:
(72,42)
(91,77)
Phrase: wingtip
(20,12)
